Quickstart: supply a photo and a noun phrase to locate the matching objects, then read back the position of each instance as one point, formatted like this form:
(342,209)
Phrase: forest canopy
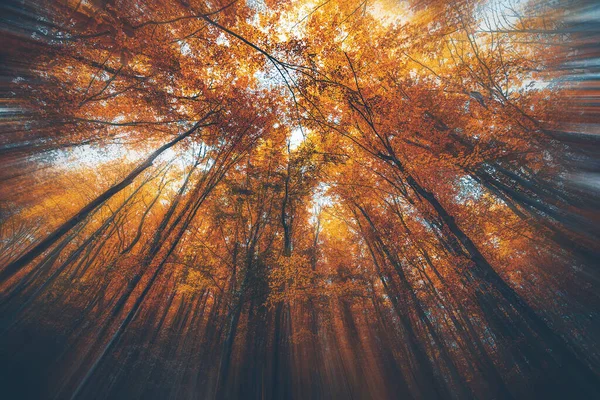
(320,199)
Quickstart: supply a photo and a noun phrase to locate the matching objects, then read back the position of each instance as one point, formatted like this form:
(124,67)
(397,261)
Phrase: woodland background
(330,199)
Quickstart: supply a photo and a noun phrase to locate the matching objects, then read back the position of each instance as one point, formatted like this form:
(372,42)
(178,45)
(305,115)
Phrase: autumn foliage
(325,199)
